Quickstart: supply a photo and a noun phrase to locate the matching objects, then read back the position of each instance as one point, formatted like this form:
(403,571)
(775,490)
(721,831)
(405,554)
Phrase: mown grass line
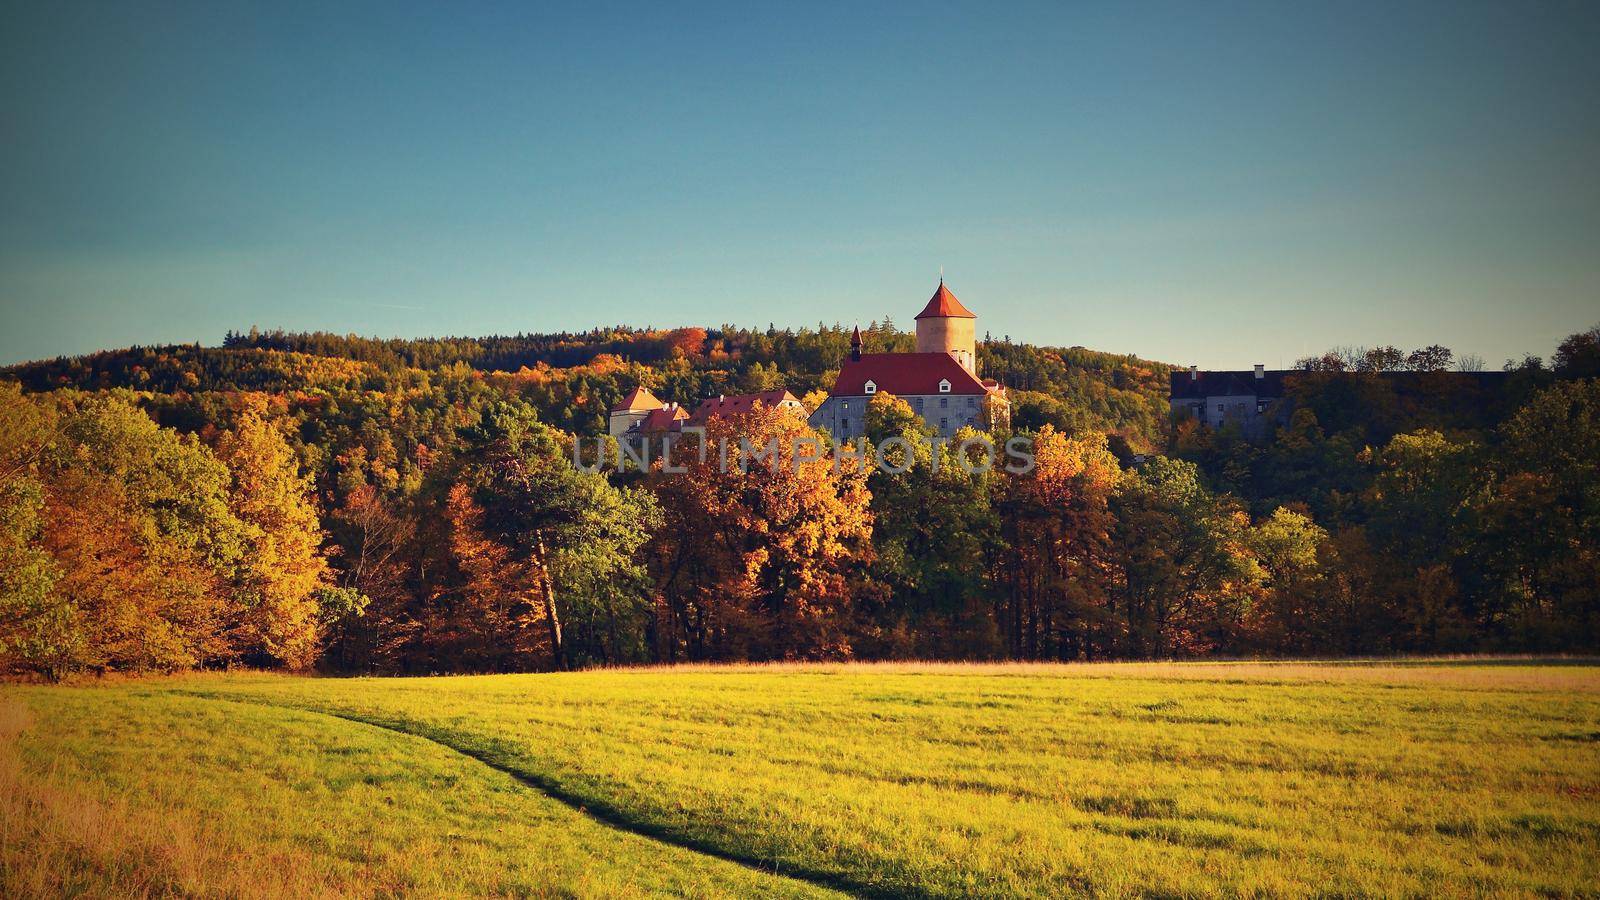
(599,810)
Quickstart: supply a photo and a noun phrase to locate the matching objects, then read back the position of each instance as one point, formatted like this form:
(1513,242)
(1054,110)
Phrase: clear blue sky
(1210,183)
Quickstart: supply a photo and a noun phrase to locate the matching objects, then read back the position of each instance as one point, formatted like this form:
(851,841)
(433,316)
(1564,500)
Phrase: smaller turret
(632,410)
(855,344)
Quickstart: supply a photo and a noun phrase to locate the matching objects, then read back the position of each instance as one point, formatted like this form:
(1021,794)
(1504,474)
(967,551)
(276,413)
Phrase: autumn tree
(135,519)
(1185,560)
(1538,537)
(374,539)
(760,542)
(1433,358)
(279,620)
(934,537)
(575,533)
(1290,616)
(1059,573)
(492,620)
(39,631)
(1417,515)
(1578,356)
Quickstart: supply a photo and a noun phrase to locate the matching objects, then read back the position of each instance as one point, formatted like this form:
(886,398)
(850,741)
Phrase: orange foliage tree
(761,538)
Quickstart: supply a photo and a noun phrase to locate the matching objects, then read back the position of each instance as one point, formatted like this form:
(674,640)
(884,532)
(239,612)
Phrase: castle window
(944,424)
(972,402)
(944,385)
(844,427)
(918,403)
(872,388)
(944,402)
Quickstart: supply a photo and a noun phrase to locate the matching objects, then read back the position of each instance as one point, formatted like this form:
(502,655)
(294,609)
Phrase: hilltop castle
(940,381)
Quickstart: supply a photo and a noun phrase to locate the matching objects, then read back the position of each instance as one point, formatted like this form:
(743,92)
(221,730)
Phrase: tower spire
(855,344)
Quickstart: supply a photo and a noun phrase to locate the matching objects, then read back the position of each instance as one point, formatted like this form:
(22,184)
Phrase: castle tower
(945,326)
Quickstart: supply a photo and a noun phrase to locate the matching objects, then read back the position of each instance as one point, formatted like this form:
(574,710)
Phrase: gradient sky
(1210,183)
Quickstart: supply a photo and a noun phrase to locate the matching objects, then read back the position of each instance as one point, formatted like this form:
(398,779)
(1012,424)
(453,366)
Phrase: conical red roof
(944,305)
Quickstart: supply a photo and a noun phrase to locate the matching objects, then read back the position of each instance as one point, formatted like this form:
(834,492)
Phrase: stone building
(1246,399)
(1258,401)
(641,413)
(633,410)
(940,381)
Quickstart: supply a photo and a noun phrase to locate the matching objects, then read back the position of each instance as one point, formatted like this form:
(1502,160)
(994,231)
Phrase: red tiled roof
(664,419)
(638,399)
(905,374)
(944,304)
(739,403)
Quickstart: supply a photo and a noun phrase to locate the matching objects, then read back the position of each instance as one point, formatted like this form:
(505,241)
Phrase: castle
(940,381)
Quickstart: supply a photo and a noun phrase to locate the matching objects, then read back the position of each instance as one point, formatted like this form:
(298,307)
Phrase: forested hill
(572,379)
(409,506)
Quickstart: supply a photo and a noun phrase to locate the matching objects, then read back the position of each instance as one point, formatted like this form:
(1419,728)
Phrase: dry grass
(118,793)
(64,836)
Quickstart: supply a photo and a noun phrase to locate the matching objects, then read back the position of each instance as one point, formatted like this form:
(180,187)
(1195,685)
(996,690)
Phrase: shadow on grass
(601,811)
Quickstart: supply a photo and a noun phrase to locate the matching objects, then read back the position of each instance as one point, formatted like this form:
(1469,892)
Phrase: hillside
(572,379)
(353,505)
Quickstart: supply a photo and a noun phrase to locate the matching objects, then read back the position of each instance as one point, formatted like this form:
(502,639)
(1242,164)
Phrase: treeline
(129,546)
(1462,509)
(572,379)
(362,516)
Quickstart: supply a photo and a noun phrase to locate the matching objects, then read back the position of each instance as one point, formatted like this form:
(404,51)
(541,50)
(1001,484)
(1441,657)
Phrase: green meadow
(1450,777)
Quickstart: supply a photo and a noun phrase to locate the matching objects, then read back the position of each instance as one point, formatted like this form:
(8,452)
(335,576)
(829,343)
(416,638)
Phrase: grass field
(1425,778)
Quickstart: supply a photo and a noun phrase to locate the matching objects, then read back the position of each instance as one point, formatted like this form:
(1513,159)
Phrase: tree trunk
(551,615)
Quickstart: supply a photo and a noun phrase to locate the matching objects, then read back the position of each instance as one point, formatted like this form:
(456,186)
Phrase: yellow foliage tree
(283,564)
